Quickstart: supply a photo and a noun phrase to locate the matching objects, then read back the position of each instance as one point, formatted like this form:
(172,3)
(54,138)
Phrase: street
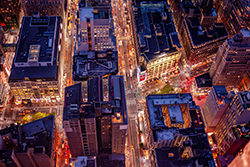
(128,67)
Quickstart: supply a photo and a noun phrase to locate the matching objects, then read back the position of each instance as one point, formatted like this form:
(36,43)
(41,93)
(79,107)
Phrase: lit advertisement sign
(142,76)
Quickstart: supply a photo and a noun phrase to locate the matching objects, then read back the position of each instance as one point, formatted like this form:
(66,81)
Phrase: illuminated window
(170,154)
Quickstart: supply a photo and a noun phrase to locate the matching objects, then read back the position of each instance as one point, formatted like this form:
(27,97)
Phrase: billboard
(142,76)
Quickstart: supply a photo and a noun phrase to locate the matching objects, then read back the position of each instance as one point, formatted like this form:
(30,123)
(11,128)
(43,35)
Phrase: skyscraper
(98,127)
(31,144)
(176,135)
(36,73)
(234,14)
(201,35)
(96,32)
(96,53)
(232,60)
(111,116)
(216,104)
(44,7)
(238,113)
(71,119)
(158,41)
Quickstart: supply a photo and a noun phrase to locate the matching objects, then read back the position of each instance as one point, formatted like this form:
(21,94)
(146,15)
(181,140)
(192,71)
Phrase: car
(21,112)
(27,111)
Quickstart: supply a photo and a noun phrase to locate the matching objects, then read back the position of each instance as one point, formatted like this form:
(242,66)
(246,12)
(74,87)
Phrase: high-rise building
(228,130)
(201,35)
(31,144)
(117,97)
(158,41)
(232,60)
(202,84)
(9,13)
(176,134)
(96,53)
(95,30)
(43,7)
(36,71)
(99,127)
(111,116)
(234,14)
(71,119)
(89,130)
(218,100)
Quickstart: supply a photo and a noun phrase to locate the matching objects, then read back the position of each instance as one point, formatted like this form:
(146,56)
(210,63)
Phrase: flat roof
(95,89)
(156,30)
(175,114)
(116,83)
(171,157)
(165,134)
(86,12)
(246,32)
(154,103)
(203,80)
(36,54)
(198,143)
(96,63)
(38,128)
(73,95)
(220,91)
(199,36)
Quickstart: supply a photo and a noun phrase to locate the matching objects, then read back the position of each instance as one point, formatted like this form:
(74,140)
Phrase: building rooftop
(155,103)
(36,55)
(93,64)
(165,134)
(37,134)
(220,91)
(175,114)
(170,110)
(93,13)
(95,89)
(86,12)
(242,131)
(203,80)
(246,32)
(244,98)
(156,31)
(196,141)
(171,157)
(72,101)
(111,160)
(43,132)
(116,105)
(199,34)
(171,143)
(117,96)
(85,161)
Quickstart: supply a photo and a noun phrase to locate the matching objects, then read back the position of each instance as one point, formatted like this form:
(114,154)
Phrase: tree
(32,117)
